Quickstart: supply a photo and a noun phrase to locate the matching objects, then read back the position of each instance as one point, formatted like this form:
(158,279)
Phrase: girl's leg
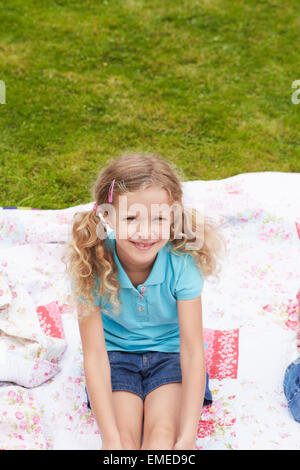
(129,414)
(161,417)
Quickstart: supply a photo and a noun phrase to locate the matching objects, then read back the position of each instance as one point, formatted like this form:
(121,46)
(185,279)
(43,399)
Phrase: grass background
(205,83)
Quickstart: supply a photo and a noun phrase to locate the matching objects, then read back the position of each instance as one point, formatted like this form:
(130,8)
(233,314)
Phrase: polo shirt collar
(157,275)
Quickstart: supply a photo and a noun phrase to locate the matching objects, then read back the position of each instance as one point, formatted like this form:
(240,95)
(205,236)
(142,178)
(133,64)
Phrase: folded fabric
(28,356)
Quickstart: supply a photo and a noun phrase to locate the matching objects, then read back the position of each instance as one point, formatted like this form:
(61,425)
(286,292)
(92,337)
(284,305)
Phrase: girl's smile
(143,246)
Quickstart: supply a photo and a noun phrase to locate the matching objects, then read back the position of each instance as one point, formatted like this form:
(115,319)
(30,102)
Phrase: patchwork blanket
(250,321)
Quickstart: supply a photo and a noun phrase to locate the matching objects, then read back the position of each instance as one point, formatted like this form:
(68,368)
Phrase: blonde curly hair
(88,258)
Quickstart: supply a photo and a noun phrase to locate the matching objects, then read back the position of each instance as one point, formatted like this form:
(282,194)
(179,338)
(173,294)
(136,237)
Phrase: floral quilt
(250,321)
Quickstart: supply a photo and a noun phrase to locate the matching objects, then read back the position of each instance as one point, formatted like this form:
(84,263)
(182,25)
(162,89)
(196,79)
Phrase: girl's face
(142,226)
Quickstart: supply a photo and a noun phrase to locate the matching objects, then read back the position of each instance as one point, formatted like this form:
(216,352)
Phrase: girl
(137,283)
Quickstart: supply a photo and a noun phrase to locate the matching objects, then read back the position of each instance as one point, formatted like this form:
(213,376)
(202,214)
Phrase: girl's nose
(143,236)
(144,231)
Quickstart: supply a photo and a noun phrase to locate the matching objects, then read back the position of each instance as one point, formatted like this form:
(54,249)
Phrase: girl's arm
(193,370)
(98,378)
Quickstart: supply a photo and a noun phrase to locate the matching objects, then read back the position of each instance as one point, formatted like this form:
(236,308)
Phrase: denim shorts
(140,373)
(291,387)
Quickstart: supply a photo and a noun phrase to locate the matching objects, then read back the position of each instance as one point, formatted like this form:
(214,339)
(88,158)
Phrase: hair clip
(110,192)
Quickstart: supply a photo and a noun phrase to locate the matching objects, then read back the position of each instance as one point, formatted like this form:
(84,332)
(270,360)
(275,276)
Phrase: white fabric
(256,294)
(28,357)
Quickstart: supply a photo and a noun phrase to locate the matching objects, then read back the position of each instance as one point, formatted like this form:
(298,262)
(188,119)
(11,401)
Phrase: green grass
(205,83)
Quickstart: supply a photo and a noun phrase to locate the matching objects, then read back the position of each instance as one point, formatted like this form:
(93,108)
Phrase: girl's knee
(129,442)
(159,438)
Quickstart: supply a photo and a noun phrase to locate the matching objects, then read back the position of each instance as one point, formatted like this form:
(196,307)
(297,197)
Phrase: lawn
(207,84)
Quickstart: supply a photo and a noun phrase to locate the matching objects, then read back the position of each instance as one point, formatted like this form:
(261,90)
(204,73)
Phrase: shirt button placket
(141,305)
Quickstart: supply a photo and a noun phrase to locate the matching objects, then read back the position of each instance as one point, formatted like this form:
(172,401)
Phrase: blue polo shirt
(149,319)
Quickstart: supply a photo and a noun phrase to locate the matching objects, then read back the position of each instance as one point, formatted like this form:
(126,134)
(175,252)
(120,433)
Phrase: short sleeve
(190,281)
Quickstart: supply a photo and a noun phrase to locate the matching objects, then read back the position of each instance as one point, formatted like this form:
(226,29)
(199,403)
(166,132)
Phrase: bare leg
(161,417)
(129,412)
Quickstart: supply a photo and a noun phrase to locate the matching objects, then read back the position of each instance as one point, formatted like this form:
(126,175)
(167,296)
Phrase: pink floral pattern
(221,357)
(251,315)
(50,319)
(285,314)
(221,354)
(22,421)
(43,369)
(218,421)
(298,228)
